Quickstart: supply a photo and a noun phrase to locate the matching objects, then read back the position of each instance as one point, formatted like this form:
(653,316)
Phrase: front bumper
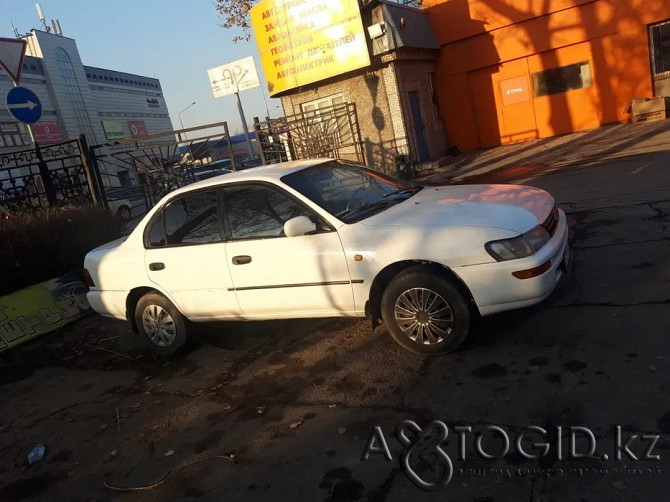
(495,289)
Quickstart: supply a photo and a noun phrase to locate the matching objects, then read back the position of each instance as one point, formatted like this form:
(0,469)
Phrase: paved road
(296,402)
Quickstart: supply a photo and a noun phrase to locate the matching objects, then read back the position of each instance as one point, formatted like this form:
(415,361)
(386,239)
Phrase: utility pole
(244,122)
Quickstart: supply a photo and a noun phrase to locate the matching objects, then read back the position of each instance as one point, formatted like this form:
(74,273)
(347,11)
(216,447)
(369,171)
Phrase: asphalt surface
(284,410)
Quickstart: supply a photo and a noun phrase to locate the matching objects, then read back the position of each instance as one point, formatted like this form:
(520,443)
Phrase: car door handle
(156,266)
(241,260)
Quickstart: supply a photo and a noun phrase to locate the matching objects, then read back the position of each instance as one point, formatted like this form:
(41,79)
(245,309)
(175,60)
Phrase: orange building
(516,70)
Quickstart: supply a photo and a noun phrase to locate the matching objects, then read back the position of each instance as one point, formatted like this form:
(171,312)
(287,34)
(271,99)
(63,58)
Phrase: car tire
(160,324)
(124,213)
(425,313)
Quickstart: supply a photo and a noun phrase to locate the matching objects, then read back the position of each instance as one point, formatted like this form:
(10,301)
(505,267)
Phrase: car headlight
(519,247)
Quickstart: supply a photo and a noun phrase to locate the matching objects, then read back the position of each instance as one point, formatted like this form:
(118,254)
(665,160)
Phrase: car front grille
(552,221)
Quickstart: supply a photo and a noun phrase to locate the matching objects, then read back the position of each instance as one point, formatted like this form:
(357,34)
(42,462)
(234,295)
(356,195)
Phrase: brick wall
(382,130)
(383,108)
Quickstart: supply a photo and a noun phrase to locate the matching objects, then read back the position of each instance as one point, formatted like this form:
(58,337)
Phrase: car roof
(260,173)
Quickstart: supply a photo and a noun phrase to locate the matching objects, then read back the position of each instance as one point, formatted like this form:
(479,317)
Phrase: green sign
(113,130)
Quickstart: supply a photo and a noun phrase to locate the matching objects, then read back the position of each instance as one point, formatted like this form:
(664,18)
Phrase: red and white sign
(47,132)
(12,52)
(137,128)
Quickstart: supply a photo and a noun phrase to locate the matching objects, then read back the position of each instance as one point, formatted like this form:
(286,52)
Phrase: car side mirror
(300,225)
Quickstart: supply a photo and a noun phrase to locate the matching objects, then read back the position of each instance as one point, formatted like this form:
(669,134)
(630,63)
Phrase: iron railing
(46,176)
(331,132)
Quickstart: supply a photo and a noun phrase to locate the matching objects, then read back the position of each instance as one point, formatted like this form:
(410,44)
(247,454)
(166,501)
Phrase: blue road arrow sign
(24,105)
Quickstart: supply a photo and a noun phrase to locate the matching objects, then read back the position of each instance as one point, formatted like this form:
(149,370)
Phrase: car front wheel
(160,324)
(425,313)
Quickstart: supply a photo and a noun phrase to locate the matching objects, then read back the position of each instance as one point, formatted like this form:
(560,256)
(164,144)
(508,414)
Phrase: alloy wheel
(424,316)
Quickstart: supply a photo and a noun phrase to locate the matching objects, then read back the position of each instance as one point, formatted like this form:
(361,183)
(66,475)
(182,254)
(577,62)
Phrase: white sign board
(12,51)
(233,77)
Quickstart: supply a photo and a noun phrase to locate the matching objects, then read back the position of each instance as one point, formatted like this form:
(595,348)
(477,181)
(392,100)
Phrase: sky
(174,41)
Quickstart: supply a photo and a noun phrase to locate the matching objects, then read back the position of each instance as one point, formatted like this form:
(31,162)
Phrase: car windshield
(349,192)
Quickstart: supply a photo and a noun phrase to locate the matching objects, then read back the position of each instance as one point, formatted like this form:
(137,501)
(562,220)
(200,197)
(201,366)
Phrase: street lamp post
(190,155)
(180,121)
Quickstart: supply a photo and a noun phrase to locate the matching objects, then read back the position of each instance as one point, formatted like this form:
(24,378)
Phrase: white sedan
(322,238)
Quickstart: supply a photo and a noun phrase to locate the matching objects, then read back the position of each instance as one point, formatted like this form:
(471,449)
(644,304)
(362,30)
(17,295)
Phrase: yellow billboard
(304,41)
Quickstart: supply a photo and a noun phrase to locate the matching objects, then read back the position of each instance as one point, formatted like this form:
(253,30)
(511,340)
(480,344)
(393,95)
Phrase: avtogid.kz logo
(426,462)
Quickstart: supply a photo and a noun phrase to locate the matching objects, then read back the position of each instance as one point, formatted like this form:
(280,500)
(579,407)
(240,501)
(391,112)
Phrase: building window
(73,93)
(328,117)
(562,79)
(14,134)
(659,37)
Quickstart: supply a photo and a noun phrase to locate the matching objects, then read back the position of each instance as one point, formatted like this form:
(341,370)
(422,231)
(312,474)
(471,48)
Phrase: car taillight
(88,280)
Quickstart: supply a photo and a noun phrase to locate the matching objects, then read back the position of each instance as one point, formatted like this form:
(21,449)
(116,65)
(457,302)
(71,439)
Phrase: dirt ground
(283,410)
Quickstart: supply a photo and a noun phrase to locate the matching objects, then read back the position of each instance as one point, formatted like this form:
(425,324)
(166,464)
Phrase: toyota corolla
(326,238)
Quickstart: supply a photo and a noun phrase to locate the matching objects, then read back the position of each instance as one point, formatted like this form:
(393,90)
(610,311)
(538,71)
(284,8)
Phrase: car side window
(257,212)
(192,219)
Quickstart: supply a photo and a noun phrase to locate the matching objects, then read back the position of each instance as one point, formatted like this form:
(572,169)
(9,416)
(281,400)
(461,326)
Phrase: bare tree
(235,14)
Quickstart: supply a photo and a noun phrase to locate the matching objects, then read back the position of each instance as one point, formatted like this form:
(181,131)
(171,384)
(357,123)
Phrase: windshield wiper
(380,203)
(413,189)
(370,206)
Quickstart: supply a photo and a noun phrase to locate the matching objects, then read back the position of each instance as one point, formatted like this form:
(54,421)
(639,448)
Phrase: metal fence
(331,132)
(142,170)
(46,176)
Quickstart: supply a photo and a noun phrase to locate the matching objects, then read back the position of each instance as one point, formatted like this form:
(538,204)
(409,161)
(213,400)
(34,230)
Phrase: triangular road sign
(12,51)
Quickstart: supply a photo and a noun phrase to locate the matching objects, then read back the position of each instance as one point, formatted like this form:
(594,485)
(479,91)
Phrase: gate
(325,132)
(46,176)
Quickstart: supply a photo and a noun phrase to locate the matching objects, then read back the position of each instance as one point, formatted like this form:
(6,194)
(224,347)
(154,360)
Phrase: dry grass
(47,243)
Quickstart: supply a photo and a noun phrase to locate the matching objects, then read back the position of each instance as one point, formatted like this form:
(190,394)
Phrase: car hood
(512,207)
